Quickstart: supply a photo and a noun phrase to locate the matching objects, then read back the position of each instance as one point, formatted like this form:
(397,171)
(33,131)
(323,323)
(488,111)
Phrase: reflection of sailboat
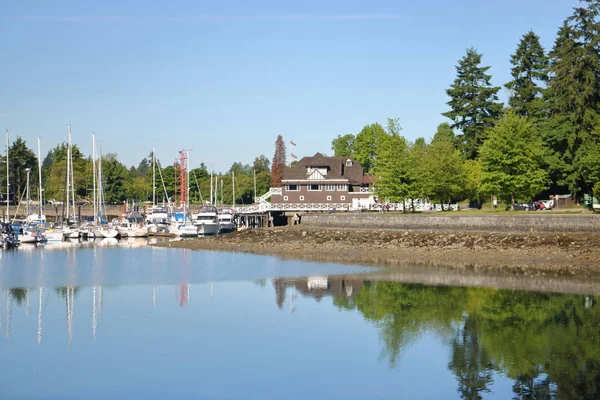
(8,312)
(39,331)
(108,242)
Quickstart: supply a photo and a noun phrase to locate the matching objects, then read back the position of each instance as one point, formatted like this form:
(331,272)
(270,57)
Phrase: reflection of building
(317,287)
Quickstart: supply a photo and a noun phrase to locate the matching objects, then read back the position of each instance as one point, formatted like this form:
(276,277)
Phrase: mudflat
(558,254)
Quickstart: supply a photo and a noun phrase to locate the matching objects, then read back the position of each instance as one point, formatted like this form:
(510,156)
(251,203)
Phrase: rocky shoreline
(556,254)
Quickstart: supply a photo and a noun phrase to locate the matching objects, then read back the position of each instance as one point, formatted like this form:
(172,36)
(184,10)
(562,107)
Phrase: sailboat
(157,217)
(184,228)
(31,232)
(71,232)
(100,230)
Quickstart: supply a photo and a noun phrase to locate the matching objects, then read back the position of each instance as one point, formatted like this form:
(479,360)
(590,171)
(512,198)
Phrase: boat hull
(208,229)
(54,236)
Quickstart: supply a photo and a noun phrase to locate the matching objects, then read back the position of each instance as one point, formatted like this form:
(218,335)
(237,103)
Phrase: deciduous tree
(513,160)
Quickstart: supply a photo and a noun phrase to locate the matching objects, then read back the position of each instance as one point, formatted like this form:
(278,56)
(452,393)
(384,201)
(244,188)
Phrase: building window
(348,163)
(285,198)
(314,187)
(301,198)
(342,198)
(328,198)
(329,187)
(292,188)
(342,187)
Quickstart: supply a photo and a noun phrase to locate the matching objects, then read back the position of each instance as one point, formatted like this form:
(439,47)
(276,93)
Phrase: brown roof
(336,169)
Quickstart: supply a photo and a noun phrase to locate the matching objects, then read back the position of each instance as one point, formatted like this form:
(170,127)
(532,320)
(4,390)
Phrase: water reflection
(202,308)
(547,344)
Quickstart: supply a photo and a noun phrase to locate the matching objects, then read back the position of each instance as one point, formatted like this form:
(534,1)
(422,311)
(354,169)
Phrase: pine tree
(574,98)
(473,102)
(530,75)
(279,161)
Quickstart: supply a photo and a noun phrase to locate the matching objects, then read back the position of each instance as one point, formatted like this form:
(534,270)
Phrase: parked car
(539,205)
(524,207)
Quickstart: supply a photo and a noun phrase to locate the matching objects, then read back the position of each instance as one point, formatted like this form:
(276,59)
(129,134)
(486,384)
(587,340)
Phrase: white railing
(272,191)
(264,207)
(367,190)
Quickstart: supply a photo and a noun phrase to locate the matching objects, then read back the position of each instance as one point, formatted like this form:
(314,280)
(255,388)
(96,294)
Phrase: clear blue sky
(225,78)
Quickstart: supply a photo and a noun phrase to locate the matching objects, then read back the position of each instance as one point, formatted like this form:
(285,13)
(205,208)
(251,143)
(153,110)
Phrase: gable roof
(336,169)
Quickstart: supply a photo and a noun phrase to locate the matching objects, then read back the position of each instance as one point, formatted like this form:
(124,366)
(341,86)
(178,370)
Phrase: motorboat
(131,225)
(157,219)
(226,224)
(184,230)
(206,221)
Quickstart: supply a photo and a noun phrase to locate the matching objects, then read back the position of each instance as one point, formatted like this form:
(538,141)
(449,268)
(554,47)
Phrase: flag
(293,155)
(292,143)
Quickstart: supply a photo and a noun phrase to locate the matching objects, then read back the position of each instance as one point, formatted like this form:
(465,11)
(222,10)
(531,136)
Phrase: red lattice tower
(183,184)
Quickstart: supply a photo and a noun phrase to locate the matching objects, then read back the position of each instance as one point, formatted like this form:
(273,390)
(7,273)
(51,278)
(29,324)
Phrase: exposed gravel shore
(558,254)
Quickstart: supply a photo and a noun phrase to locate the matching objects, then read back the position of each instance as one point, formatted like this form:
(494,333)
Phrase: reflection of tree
(280,287)
(403,312)
(19,295)
(549,344)
(62,291)
(525,387)
(470,363)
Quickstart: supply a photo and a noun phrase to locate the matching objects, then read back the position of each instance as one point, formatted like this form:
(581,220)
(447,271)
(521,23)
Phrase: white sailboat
(185,228)
(101,230)
(70,232)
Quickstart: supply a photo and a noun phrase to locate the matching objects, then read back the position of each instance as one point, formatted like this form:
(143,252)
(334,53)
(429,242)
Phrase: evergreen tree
(473,102)
(513,160)
(530,75)
(279,162)
(574,98)
(21,158)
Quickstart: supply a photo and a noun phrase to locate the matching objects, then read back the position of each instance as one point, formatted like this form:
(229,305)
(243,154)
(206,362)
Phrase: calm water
(129,323)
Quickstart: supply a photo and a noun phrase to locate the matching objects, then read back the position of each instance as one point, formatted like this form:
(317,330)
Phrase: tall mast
(254,185)
(7,182)
(100,183)
(94,173)
(40,179)
(221,192)
(153,177)
(72,178)
(28,199)
(211,178)
(233,189)
(68,172)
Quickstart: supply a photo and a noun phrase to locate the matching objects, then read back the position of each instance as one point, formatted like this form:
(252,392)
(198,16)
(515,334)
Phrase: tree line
(128,184)
(546,140)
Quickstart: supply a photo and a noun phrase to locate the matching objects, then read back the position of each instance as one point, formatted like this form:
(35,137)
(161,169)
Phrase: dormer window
(348,163)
